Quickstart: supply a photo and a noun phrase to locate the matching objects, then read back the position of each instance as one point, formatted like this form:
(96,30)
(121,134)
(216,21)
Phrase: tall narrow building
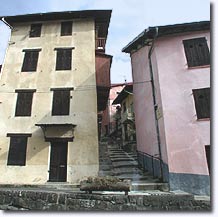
(50,96)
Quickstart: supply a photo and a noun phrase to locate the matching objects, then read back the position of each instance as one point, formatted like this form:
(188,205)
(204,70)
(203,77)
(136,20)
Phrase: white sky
(129,18)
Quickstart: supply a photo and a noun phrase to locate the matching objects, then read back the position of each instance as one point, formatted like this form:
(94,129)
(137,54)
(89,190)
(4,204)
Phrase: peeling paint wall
(83,151)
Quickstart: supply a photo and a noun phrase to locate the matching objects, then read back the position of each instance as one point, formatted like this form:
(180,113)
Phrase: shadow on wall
(80,100)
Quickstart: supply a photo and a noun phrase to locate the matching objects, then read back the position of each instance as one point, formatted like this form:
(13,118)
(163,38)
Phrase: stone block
(52,198)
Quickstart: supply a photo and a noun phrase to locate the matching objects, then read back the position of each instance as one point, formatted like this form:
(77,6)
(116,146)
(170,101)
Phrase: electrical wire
(81,88)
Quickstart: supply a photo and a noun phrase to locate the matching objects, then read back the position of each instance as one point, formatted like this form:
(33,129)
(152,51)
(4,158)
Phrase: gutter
(6,23)
(154,99)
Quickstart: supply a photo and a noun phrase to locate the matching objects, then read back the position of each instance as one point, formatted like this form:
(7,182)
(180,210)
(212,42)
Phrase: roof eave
(148,34)
(100,16)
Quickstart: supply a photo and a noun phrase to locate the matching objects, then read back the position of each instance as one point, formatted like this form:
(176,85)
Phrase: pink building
(171,77)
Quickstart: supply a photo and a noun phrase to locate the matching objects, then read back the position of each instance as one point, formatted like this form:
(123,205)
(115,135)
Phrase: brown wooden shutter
(64,59)
(61,102)
(30,61)
(24,104)
(35,30)
(197,52)
(66,28)
(202,102)
(17,151)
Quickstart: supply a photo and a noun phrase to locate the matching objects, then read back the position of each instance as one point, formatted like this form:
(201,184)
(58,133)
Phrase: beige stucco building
(48,97)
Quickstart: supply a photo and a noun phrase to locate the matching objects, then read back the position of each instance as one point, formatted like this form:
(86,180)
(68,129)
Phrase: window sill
(198,67)
(204,119)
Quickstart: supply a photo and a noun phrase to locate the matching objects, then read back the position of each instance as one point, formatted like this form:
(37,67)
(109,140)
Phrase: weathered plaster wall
(186,136)
(83,151)
(143,103)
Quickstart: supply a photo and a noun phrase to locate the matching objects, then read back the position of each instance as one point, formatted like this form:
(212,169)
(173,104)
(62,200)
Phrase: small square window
(197,52)
(17,150)
(35,30)
(30,60)
(202,102)
(66,28)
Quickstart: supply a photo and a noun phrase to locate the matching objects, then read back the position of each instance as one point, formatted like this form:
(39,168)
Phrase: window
(24,102)
(17,149)
(197,52)
(30,60)
(202,102)
(61,101)
(35,30)
(66,28)
(64,58)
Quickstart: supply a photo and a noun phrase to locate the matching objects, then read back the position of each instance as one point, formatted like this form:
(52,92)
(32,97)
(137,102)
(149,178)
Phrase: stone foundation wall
(62,201)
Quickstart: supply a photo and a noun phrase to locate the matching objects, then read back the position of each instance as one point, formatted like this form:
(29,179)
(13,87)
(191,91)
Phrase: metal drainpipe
(154,100)
(6,23)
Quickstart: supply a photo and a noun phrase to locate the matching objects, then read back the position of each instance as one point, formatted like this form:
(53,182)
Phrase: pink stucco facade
(182,136)
(186,136)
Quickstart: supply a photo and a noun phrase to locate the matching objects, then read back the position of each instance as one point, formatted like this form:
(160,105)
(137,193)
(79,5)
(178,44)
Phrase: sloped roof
(159,31)
(123,94)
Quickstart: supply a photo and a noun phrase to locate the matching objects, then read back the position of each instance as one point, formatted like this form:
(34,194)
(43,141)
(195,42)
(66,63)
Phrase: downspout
(155,101)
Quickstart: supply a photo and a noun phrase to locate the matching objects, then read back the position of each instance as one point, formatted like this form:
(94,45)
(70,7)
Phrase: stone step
(138,178)
(135,186)
(123,159)
(129,170)
(114,159)
(125,164)
(105,167)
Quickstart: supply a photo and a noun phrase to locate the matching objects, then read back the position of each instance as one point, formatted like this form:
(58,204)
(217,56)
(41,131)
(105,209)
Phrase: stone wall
(62,201)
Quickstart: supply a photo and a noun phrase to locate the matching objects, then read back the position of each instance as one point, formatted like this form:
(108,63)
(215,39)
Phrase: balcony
(100,44)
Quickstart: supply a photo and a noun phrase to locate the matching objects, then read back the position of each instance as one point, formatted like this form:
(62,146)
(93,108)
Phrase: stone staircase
(116,162)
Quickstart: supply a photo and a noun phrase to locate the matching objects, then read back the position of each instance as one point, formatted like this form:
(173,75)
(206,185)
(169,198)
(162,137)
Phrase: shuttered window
(64,58)
(35,30)
(61,102)
(66,28)
(197,52)
(202,102)
(17,150)
(24,102)
(30,60)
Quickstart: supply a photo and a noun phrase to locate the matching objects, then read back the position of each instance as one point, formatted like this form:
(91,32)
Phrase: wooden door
(58,162)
